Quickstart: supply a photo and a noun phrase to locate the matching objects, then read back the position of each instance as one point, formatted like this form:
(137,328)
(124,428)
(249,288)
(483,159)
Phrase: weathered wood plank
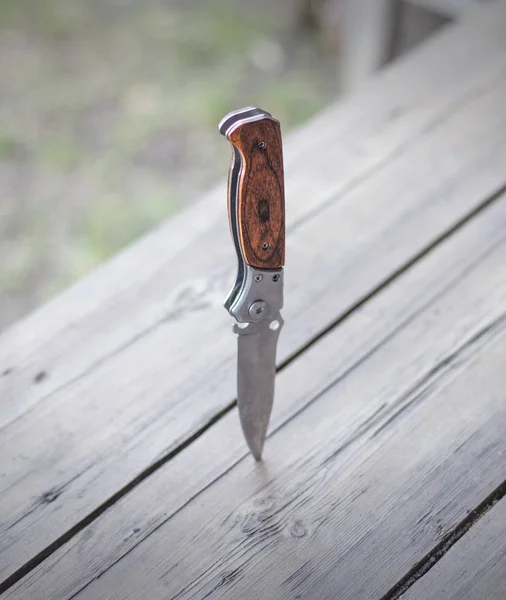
(111,404)
(430,316)
(318,519)
(319,509)
(132,293)
(474,568)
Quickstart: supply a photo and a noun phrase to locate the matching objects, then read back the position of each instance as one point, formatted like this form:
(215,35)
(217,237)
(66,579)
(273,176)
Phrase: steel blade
(256,370)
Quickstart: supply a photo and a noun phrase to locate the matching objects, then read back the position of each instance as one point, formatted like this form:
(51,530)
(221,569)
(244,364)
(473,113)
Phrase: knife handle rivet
(257,309)
(261,145)
(265,245)
(258,277)
(275,277)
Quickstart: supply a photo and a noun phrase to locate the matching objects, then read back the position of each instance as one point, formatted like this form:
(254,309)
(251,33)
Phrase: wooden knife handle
(260,193)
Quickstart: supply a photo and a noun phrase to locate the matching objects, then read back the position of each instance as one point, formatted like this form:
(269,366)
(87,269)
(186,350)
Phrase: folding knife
(256,209)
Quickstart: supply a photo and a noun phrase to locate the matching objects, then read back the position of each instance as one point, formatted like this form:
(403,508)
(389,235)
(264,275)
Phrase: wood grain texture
(110,366)
(474,568)
(320,517)
(92,322)
(412,336)
(343,483)
(261,194)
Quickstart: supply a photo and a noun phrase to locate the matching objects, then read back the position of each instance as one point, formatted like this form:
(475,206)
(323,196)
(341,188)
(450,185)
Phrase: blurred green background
(108,115)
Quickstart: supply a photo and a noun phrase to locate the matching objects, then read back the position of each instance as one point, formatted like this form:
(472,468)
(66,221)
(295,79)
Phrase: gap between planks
(51,496)
(377,429)
(447,237)
(474,568)
(368,131)
(438,552)
(55,492)
(36,560)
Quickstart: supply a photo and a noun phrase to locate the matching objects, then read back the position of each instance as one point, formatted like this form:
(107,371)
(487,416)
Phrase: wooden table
(123,469)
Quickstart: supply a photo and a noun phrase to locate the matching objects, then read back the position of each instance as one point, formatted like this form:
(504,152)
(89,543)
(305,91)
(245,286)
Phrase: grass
(108,118)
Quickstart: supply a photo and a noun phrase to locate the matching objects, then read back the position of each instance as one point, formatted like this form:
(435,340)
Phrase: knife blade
(256,210)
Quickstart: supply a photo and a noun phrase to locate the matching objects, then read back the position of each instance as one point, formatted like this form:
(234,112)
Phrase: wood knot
(41,375)
(298,530)
(250,524)
(50,496)
(228,577)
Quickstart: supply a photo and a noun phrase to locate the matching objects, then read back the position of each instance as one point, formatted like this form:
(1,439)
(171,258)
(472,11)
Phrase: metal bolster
(261,287)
